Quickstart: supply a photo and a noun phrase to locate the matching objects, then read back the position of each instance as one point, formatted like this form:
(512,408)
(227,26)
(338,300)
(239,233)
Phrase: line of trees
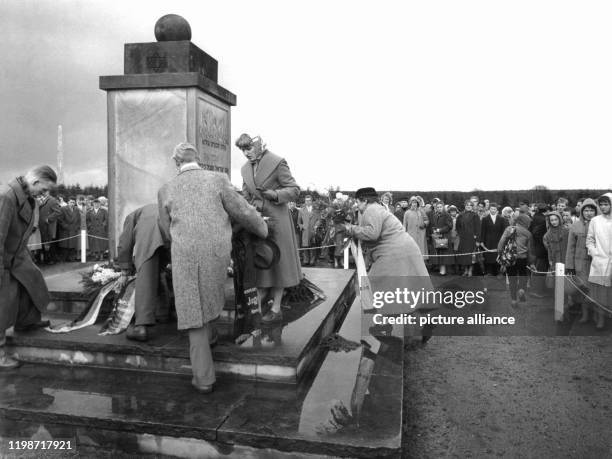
(76,189)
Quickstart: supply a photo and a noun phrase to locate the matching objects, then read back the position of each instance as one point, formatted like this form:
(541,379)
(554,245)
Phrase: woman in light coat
(415,224)
(577,260)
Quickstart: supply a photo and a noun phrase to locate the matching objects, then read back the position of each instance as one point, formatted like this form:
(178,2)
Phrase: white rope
(586,295)
(320,247)
(98,237)
(56,240)
(459,254)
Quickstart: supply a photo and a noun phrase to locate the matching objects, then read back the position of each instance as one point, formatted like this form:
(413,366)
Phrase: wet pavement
(351,406)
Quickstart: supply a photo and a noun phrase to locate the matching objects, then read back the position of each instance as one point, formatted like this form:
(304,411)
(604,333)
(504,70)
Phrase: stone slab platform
(135,413)
(284,353)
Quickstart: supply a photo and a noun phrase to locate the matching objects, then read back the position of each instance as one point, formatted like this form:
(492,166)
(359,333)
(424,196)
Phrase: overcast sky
(427,95)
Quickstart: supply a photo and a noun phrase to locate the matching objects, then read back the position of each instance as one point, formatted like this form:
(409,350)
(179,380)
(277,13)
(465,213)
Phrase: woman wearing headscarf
(517,273)
(415,224)
(577,260)
(269,186)
(555,239)
(441,225)
(506,214)
(468,228)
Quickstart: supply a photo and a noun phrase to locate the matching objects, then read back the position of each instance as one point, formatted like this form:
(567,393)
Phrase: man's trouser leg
(27,313)
(147,291)
(202,364)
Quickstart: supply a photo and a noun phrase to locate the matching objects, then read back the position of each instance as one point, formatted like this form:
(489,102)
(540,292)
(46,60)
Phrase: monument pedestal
(169,94)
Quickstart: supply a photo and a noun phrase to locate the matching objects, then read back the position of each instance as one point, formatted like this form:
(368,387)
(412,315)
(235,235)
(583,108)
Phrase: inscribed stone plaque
(213,133)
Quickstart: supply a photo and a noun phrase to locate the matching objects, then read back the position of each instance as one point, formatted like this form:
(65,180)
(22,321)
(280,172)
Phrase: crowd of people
(467,239)
(57,227)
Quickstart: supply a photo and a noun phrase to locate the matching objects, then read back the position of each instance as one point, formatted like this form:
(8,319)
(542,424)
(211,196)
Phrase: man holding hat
(269,186)
(194,215)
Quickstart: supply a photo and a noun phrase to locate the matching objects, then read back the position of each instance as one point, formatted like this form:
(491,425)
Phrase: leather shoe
(272,317)
(203,389)
(137,333)
(34,326)
(6,362)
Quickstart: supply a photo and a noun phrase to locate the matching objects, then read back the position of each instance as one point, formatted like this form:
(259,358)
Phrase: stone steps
(106,411)
(284,353)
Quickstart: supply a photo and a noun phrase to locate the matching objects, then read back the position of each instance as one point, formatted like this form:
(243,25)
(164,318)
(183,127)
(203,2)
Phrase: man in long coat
(307,217)
(141,250)
(491,230)
(194,214)
(97,228)
(69,225)
(23,292)
(49,212)
(269,186)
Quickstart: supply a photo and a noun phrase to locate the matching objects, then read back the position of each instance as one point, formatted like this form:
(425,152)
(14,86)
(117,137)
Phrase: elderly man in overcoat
(141,251)
(23,292)
(195,209)
(97,228)
(269,186)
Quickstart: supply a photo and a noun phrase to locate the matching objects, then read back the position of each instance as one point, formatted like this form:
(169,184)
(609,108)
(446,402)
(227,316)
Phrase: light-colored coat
(273,174)
(599,246)
(577,257)
(397,261)
(16,265)
(194,214)
(306,223)
(415,224)
(97,225)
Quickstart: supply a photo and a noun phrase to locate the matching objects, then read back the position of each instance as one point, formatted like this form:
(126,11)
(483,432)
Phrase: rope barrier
(315,248)
(67,238)
(56,240)
(459,254)
(586,295)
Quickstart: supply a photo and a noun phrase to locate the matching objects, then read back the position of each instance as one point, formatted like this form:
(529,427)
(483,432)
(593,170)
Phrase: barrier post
(346,257)
(83,246)
(559,291)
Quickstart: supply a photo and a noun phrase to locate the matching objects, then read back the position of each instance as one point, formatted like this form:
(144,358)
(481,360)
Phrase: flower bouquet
(98,284)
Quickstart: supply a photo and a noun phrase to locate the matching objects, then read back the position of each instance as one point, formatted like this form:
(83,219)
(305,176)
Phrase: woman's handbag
(509,253)
(440,243)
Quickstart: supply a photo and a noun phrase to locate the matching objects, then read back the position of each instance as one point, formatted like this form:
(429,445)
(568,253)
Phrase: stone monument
(168,94)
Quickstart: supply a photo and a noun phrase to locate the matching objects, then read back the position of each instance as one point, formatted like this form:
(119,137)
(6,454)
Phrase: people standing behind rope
(577,259)
(468,229)
(69,226)
(295,212)
(97,229)
(386,200)
(403,203)
(23,291)
(415,224)
(491,229)
(441,224)
(453,239)
(83,206)
(307,218)
(517,272)
(599,246)
(340,218)
(195,209)
(555,240)
(538,228)
(49,212)
(269,186)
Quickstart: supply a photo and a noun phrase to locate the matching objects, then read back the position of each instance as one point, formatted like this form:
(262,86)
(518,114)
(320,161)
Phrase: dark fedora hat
(267,253)
(368,192)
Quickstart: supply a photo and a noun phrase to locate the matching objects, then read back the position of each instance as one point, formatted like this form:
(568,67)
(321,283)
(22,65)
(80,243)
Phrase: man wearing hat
(269,186)
(195,209)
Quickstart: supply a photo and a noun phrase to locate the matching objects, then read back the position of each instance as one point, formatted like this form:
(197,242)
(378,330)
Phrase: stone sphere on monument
(172,27)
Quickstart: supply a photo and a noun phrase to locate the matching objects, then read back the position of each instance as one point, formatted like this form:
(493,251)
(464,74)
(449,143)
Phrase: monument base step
(283,353)
(352,407)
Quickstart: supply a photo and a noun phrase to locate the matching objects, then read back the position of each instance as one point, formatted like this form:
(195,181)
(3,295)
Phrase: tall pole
(60,155)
